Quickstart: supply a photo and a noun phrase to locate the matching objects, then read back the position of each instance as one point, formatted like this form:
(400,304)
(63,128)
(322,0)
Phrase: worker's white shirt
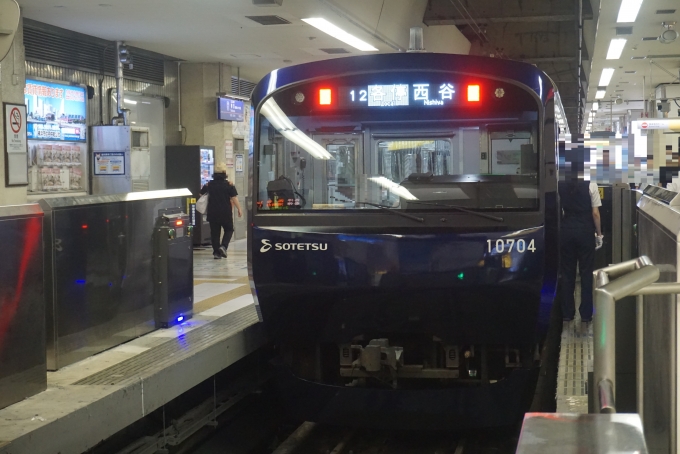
(594,195)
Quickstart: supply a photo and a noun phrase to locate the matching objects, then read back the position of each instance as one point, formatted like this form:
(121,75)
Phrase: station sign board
(661,123)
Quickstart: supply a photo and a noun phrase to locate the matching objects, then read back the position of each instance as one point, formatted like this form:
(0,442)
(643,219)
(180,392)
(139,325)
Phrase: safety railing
(632,277)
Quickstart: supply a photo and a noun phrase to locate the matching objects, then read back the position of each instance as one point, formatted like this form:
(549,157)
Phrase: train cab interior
(482,167)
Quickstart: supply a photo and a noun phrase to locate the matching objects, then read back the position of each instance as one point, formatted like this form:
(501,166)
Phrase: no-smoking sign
(16,144)
(15,128)
(15,121)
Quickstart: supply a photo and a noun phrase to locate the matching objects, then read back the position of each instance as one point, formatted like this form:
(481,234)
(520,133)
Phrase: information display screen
(229,109)
(55,111)
(439,93)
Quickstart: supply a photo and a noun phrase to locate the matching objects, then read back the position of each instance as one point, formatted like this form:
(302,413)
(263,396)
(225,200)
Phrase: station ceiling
(222,30)
(541,32)
(637,68)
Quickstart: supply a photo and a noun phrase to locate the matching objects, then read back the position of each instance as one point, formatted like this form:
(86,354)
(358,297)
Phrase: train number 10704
(501,246)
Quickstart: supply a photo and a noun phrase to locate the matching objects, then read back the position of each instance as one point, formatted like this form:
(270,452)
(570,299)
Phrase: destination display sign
(423,94)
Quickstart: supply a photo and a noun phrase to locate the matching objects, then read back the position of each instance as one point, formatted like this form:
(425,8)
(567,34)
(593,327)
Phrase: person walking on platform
(222,196)
(580,237)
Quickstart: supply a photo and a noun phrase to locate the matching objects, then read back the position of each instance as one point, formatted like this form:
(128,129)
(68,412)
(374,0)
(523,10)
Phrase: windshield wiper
(459,208)
(390,210)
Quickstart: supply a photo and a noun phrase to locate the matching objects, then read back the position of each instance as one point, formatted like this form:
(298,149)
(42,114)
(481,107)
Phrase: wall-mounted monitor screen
(229,109)
(55,111)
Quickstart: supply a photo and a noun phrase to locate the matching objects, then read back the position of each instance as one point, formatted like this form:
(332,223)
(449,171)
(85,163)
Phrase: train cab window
(353,156)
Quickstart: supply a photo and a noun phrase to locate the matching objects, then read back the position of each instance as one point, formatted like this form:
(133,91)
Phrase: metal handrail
(633,277)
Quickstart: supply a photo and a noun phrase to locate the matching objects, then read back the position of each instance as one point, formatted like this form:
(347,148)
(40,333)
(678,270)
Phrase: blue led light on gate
(80,281)
(180,318)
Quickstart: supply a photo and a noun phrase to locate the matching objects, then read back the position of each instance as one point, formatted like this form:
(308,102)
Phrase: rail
(632,277)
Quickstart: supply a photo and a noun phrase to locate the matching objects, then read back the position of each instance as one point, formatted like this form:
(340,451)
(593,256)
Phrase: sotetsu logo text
(267,245)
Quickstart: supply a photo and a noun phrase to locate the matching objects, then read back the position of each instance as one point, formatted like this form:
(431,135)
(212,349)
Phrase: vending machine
(191,167)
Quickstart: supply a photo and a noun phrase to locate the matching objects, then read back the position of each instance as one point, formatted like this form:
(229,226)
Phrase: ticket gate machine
(173,268)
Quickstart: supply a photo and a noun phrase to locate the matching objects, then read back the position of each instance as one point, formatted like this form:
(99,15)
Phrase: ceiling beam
(508,19)
(538,60)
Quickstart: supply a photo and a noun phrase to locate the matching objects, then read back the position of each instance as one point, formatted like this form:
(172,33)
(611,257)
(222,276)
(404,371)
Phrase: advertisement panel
(55,111)
(109,162)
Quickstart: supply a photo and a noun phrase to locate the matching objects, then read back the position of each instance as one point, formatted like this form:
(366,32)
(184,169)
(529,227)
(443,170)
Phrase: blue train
(403,236)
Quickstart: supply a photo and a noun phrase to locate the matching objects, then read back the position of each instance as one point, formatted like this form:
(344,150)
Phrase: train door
(507,149)
(340,183)
(241,183)
(396,156)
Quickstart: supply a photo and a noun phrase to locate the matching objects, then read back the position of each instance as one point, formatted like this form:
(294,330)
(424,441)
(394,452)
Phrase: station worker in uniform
(222,196)
(580,236)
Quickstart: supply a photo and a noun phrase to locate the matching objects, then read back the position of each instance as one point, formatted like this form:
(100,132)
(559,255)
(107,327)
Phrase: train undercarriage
(407,363)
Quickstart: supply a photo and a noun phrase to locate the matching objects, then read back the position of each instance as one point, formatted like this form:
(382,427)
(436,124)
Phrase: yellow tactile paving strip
(232,270)
(576,360)
(216,300)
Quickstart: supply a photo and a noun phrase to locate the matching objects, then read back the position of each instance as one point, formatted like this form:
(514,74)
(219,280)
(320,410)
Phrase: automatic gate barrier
(173,268)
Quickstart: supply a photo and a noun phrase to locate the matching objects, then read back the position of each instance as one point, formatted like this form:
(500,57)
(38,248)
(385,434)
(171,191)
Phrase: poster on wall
(239,163)
(109,162)
(55,111)
(16,148)
(505,157)
(229,152)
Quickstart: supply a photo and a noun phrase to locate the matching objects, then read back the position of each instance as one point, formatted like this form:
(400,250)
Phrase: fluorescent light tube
(629,10)
(600,94)
(596,105)
(129,101)
(338,33)
(606,77)
(394,187)
(616,46)
(282,123)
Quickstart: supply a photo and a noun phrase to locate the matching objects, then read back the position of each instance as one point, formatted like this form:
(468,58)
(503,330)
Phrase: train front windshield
(413,141)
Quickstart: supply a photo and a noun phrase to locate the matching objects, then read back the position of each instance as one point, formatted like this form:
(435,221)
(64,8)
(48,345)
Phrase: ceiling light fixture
(615,48)
(606,77)
(629,10)
(596,105)
(339,34)
(600,94)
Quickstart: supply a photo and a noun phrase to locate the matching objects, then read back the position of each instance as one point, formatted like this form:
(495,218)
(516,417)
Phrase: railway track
(312,438)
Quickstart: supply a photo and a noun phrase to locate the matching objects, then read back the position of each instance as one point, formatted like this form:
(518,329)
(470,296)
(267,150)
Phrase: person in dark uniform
(580,236)
(222,197)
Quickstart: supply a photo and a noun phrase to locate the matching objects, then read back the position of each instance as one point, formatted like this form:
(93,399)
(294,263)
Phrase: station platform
(91,400)
(576,360)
